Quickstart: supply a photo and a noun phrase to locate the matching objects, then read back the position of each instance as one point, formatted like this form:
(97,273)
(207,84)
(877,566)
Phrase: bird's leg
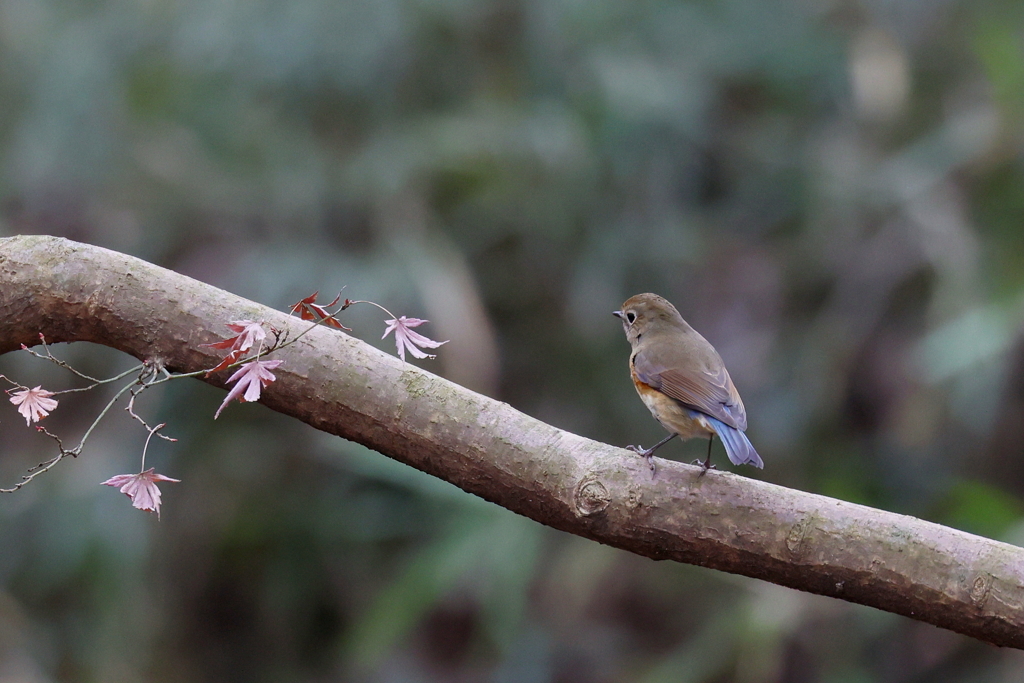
(649,452)
(706,465)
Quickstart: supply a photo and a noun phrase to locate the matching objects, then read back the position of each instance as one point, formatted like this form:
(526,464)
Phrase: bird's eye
(630,317)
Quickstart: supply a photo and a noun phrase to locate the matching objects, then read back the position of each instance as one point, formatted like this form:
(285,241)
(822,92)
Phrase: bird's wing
(713,394)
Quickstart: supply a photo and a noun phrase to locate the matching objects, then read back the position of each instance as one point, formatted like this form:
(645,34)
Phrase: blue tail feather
(737,445)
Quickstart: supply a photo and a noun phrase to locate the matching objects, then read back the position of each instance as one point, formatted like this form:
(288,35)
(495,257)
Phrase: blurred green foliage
(832,193)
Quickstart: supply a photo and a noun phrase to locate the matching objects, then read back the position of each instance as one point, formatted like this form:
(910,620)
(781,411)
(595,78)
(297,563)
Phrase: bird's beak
(617,314)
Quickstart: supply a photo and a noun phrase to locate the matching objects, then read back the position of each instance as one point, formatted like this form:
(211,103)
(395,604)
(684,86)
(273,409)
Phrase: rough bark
(969,584)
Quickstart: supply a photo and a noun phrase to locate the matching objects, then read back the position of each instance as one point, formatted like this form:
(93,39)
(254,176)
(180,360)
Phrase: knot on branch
(796,535)
(591,496)
(980,589)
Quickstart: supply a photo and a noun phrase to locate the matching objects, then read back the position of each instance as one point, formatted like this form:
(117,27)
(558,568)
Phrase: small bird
(683,381)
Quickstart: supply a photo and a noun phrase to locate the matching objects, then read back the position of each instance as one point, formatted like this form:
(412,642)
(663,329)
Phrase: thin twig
(130,408)
(64,364)
(16,384)
(145,447)
(44,466)
(53,359)
(99,382)
(374,303)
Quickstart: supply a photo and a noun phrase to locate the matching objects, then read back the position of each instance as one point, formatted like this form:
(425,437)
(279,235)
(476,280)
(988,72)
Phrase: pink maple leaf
(251,378)
(34,404)
(141,488)
(406,339)
(249,334)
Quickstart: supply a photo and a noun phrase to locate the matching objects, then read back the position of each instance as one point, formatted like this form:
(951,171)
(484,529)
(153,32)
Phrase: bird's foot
(704,466)
(647,453)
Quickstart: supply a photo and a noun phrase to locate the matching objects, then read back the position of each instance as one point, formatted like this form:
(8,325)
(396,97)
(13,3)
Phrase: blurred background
(831,192)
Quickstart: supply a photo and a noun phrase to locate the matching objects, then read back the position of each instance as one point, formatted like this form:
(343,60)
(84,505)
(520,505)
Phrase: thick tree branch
(973,585)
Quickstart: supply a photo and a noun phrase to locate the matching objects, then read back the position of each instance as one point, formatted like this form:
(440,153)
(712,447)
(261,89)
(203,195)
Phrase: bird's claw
(647,453)
(704,466)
